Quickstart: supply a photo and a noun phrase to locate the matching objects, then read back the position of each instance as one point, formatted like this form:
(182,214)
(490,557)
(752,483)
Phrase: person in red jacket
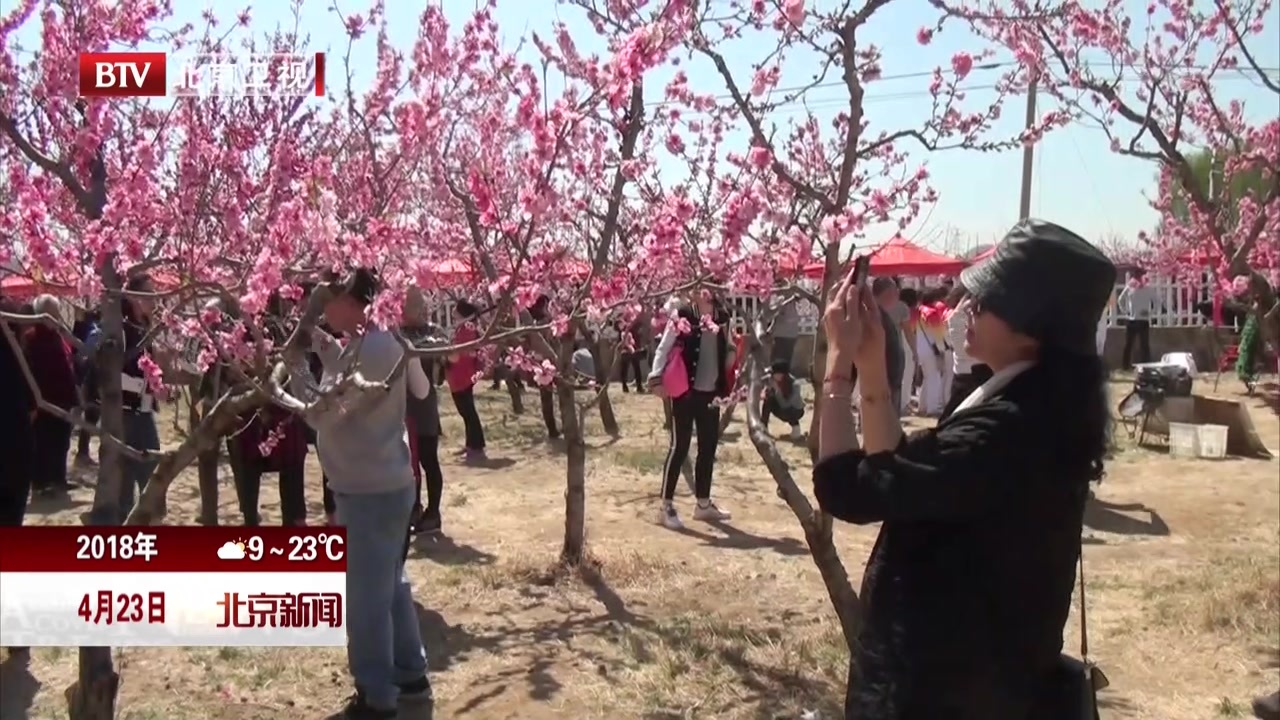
(52,362)
(460,375)
(739,348)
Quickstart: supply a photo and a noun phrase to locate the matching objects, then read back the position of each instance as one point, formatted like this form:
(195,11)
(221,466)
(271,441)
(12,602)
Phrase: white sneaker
(669,518)
(710,512)
(796,433)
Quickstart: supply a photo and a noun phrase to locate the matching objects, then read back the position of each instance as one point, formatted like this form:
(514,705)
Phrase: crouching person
(364,452)
(782,399)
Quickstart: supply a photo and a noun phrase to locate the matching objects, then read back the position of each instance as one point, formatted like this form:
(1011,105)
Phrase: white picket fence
(1176,305)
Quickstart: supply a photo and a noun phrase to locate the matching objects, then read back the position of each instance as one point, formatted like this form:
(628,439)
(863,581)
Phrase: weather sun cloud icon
(231,551)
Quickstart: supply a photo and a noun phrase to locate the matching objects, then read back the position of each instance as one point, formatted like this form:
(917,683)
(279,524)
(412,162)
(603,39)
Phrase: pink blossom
(961,64)
(793,10)
(924,35)
(152,373)
(544,373)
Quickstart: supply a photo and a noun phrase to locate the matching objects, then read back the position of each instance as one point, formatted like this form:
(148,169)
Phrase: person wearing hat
(782,399)
(969,584)
(364,451)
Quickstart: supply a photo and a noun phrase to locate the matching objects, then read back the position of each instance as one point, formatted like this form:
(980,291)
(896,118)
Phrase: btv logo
(123,74)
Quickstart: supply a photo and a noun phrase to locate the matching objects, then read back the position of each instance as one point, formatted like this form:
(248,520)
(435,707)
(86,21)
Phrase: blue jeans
(139,432)
(384,647)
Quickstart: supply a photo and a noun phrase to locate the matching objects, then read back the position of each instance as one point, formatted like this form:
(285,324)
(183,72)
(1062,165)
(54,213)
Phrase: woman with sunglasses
(969,584)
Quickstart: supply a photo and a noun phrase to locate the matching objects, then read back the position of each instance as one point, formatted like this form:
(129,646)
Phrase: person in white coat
(931,353)
(1104,323)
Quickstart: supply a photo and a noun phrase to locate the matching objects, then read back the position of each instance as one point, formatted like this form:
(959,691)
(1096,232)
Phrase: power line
(834,102)
(1240,74)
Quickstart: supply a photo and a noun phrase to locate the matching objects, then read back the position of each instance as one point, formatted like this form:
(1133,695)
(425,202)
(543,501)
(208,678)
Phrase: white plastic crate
(1184,440)
(1212,440)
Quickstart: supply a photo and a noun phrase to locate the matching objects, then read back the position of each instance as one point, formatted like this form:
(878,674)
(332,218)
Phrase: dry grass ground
(729,621)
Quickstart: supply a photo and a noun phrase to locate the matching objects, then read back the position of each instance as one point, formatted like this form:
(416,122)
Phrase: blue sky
(1078,181)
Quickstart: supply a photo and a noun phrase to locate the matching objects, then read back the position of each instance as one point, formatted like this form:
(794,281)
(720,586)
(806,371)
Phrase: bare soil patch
(726,621)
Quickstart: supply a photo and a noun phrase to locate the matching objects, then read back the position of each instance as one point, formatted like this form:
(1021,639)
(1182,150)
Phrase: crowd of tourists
(968,587)
(931,370)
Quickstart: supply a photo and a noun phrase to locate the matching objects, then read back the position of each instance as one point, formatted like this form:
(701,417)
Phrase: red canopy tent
(25,287)
(900,256)
(462,271)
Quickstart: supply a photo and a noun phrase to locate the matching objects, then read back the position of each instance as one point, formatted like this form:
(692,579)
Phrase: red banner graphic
(63,548)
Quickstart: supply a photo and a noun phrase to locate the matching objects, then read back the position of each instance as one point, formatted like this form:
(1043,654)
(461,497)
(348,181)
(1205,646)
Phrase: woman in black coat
(17,428)
(969,584)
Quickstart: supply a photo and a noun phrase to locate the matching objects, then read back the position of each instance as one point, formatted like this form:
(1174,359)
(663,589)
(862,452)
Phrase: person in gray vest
(364,449)
(786,328)
(424,417)
(1136,305)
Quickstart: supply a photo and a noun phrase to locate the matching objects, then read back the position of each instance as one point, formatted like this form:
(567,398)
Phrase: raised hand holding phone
(852,320)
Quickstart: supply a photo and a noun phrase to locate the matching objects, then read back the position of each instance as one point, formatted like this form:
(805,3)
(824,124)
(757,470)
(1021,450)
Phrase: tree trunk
(207,465)
(815,523)
(1268,309)
(726,416)
(575,494)
(93,695)
(604,368)
(516,393)
(817,371)
(109,364)
(217,423)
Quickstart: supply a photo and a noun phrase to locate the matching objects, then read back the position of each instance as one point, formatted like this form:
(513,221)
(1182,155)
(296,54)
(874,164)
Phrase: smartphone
(861,269)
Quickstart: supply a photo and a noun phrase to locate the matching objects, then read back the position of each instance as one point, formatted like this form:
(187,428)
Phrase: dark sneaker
(358,709)
(428,524)
(1268,707)
(417,692)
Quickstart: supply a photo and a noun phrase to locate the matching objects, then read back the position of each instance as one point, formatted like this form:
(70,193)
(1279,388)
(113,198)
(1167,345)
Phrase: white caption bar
(281,609)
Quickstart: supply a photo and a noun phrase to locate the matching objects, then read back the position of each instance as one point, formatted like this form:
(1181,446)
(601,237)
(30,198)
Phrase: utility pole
(1028,151)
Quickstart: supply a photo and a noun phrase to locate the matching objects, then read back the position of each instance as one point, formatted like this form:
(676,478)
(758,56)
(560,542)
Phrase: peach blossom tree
(1154,84)
(771,183)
